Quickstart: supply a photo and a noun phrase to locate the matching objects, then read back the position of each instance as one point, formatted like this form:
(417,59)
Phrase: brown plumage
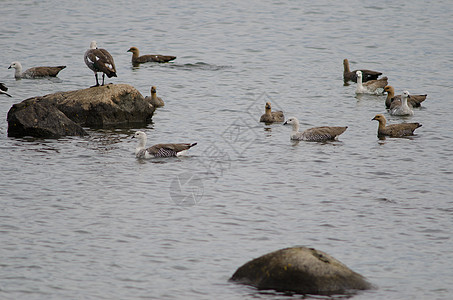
(315,134)
(35,72)
(395,130)
(153,99)
(100,60)
(349,75)
(371,86)
(271,116)
(393,100)
(137,59)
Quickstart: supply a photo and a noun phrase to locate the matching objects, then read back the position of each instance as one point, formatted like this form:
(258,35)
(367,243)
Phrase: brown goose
(395,130)
(35,72)
(154,100)
(315,134)
(100,60)
(137,59)
(349,75)
(3,90)
(392,99)
(371,86)
(159,150)
(271,116)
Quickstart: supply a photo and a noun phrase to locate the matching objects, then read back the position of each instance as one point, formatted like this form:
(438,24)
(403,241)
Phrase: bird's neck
(295,127)
(18,71)
(153,95)
(404,101)
(135,54)
(268,111)
(141,145)
(381,124)
(346,66)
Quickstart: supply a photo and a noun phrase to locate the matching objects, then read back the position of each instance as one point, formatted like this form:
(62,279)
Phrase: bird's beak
(133,137)
(408,96)
(286,123)
(9,67)
(373,119)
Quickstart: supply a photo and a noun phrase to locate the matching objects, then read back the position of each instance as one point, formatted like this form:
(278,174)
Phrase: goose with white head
(99,61)
(158,150)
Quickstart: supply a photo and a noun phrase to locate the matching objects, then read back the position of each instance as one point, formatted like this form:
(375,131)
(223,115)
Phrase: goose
(271,116)
(403,109)
(158,150)
(3,90)
(414,100)
(99,60)
(153,99)
(371,86)
(137,59)
(315,134)
(35,72)
(395,130)
(349,75)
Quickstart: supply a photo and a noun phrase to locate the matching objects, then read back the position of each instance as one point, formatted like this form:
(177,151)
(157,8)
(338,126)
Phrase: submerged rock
(97,107)
(301,270)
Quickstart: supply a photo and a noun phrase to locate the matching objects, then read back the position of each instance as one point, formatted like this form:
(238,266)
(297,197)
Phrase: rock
(301,270)
(33,118)
(98,107)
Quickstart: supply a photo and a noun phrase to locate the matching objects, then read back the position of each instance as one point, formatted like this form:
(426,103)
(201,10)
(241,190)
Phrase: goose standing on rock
(158,150)
(271,116)
(153,99)
(395,130)
(373,87)
(3,90)
(349,75)
(137,59)
(35,72)
(315,134)
(403,109)
(100,60)
(414,100)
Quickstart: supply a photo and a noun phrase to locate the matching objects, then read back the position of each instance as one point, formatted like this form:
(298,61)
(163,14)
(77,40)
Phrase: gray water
(82,218)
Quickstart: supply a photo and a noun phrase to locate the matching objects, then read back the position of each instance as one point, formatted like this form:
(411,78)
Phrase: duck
(403,109)
(315,134)
(270,116)
(158,150)
(394,130)
(36,72)
(153,99)
(99,60)
(370,87)
(414,100)
(349,75)
(3,90)
(137,59)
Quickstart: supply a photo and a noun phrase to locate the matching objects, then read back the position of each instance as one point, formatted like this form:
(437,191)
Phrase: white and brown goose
(36,72)
(137,59)
(315,134)
(395,130)
(373,87)
(158,150)
(393,100)
(270,116)
(349,75)
(403,109)
(3,90)
(100,61)
(153,99)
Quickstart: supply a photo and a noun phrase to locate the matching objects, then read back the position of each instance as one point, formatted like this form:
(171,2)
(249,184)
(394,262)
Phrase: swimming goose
(100,60)
(35,72)
(403,109)
(3,90)
(395,130)
(414,100)
(159,150)
(371,86)
(154,100)
(315,134)
(352,76)
(137,59)
(271,116)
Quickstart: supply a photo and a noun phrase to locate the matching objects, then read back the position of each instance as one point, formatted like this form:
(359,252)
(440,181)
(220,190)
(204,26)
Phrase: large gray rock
(301,270)
(40,119)
(98,107)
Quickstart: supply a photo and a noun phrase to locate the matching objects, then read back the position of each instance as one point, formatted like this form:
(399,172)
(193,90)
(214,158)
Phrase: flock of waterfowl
(368,82)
